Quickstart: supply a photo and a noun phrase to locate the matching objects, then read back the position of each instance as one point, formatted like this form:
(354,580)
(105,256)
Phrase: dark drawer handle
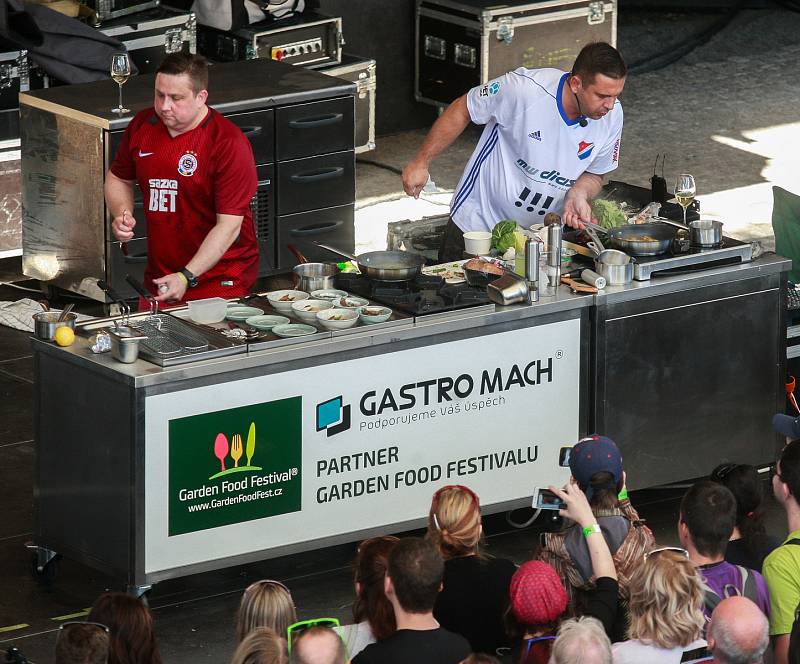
(251,132)
(136,258)
(316,176)
(319,121)
(317,229)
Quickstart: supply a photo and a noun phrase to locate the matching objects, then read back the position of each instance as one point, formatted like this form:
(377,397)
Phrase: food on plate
(503,235)
(608,213)
(336,317)
(480,265)
(372,311)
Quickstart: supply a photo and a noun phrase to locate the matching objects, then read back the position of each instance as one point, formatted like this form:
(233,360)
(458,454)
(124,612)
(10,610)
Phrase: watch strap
(191,280)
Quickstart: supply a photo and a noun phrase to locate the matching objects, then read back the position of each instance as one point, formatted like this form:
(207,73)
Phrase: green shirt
(782,572)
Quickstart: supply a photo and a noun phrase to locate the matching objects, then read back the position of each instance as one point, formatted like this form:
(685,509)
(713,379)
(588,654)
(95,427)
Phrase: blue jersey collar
(564,116)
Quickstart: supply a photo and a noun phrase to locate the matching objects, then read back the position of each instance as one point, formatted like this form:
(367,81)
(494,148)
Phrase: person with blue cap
(596,467)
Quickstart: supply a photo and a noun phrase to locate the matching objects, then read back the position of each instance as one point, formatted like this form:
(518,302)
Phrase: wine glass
(685,189)
(120,72)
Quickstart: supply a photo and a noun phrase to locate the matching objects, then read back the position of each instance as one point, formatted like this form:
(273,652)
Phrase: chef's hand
(123,226)
(415,177)
(171,287)
(577,506)
(577,211)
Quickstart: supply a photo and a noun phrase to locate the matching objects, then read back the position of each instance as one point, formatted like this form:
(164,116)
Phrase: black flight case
(461,44)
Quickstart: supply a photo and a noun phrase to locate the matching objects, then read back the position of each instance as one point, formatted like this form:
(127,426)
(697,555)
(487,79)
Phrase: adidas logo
(535,135)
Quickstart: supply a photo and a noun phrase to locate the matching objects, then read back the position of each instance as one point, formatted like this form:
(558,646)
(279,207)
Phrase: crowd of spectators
(598,591)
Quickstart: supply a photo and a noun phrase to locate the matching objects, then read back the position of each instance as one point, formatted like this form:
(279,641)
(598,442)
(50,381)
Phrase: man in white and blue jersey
(549,138)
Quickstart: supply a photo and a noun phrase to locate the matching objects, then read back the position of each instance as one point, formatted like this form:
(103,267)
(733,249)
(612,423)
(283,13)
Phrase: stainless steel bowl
(615,275)
(508,289)
(705,232)
(125,343)
(45,324)
(315,276)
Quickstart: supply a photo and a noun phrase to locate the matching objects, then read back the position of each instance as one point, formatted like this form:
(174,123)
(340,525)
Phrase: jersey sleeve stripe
(473,172)
(474,178)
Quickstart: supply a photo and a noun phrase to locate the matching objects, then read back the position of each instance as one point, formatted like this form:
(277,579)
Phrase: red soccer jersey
(185,182)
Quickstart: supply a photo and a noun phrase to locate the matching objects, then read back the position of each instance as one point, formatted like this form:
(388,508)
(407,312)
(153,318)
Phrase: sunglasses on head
(676,549)
(298,628)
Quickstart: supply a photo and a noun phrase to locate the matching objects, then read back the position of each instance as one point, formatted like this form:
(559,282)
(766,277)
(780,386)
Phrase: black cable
(677,51)
(377,164)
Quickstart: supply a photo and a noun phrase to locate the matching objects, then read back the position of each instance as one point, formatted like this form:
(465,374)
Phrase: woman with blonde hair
(265,603)
(474,597)
(666,616)
(261,646)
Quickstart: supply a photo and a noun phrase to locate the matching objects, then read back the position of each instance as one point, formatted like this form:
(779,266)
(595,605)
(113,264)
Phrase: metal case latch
(505,28)
(597,13)
(6,76)
(173,40)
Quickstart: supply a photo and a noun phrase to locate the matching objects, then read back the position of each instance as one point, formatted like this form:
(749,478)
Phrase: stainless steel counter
(145,374)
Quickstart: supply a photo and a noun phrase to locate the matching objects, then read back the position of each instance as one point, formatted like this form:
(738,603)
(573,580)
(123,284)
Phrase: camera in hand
(544,499)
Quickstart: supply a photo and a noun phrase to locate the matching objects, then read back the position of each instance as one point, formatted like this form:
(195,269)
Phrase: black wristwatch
(191,280)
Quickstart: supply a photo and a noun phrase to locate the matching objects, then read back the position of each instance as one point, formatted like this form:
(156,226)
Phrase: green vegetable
(608,214)
(503,235)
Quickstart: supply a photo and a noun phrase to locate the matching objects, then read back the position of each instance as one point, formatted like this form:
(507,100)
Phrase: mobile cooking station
(293,444)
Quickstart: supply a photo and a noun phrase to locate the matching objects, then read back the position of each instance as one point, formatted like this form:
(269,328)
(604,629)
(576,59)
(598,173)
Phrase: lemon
(64,336)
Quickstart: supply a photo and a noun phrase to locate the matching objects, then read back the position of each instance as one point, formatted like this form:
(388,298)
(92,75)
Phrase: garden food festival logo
(222,447)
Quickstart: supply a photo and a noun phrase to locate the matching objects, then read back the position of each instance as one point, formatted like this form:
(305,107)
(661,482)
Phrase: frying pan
(630,238)
(384,265)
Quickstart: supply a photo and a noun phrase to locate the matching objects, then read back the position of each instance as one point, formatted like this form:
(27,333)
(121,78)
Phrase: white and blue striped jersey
(530,152)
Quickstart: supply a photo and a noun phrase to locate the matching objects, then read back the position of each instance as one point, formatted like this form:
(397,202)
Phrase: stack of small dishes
(293,330)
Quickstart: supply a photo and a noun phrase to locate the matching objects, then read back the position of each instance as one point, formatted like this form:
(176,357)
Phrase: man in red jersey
(197,176)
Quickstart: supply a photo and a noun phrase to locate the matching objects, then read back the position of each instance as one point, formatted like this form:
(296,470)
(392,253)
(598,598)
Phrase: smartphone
(563,456)
(544,499)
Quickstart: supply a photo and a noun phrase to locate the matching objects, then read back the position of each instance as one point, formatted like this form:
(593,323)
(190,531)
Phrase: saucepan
(702,232)
(616,266)
(312,276)
(384,265)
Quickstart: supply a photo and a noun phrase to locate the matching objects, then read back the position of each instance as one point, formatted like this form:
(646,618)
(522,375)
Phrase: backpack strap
(748,589)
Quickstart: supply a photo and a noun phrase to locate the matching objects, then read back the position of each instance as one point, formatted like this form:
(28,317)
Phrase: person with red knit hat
(538,597)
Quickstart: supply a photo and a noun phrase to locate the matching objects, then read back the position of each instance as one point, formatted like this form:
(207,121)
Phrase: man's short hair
(416,569)
(790,468)
(82,644)
(319,645)
(194,66)
(709,511)
(599,58)
(581,640)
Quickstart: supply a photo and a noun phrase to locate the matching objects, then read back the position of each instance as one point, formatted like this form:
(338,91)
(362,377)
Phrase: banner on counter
(235,465)
(356,445)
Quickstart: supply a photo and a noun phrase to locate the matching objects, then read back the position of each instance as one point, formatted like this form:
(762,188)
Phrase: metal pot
(125,343)
(615,275)
(315,276)
(509,289)
(384,265)
(45,324)
(614,265)
(705,232)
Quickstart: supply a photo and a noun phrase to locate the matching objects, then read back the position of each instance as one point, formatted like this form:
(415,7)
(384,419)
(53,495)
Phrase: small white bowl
(306,310)
(331,294)
(372,314)
(477,242)
(282,300)
(337,319)
(351,302)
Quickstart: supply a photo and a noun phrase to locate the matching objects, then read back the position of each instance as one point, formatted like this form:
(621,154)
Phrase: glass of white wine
(685,189)
(120,72)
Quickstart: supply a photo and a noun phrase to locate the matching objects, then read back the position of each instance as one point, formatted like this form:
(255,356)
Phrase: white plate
(332,294)
(452,273)
(241,313)
(267,322)
(351,302)
(293,330)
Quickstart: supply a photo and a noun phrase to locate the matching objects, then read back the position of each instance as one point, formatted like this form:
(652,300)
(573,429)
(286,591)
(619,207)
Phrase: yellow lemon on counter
(64,336)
